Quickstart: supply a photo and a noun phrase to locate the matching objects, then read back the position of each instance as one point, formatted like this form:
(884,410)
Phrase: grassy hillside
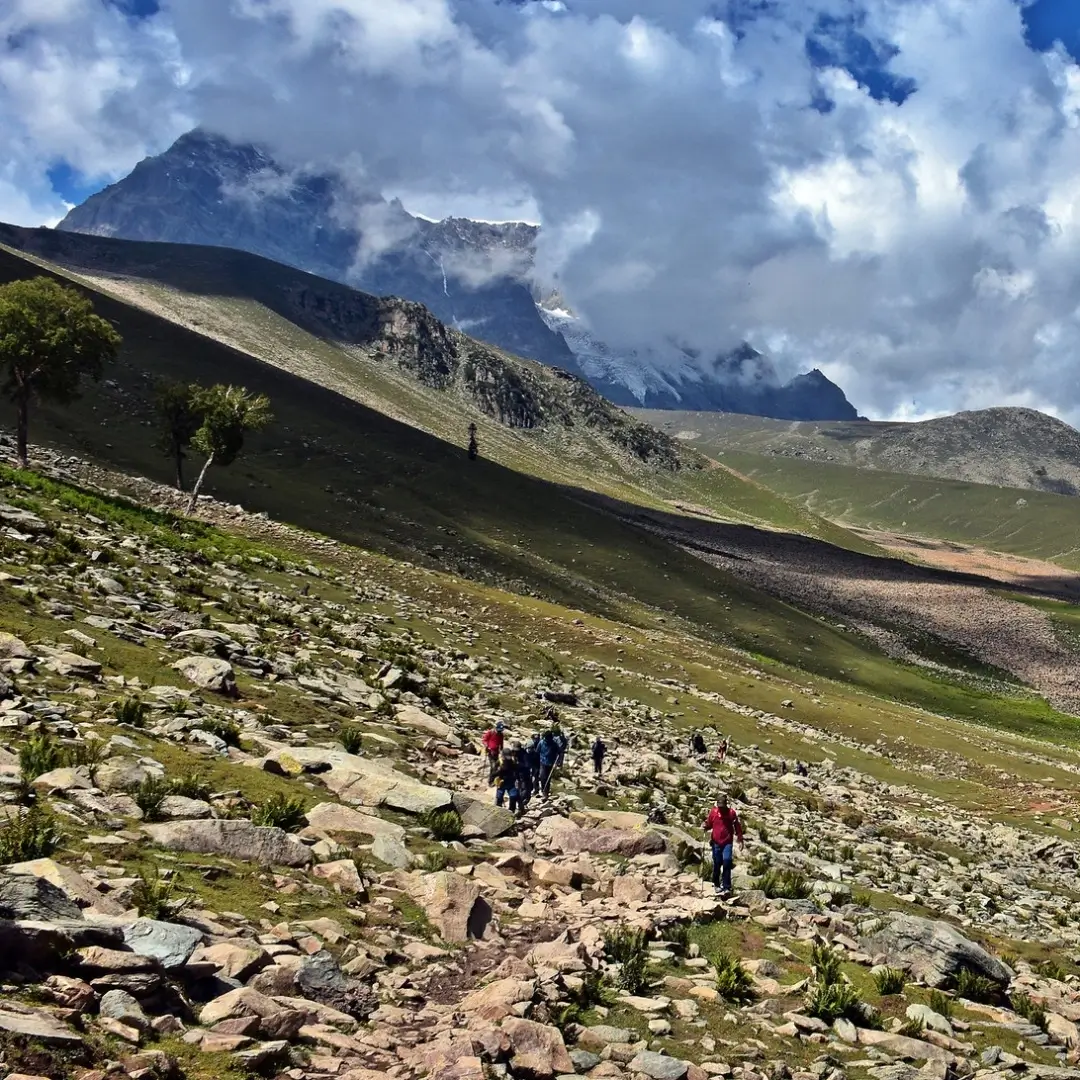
(1030,523)
(335,466)
(1008,447)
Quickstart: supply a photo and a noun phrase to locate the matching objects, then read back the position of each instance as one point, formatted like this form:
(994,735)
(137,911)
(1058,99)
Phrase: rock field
(244,829)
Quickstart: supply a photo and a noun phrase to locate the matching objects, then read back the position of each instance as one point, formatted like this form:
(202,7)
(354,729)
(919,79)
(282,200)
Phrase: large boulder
(538,1049)
(933,951)
(418,720)
(560,835)
(453,905)
(170,943)
(208,673)
(359,780)
(333,819)
(482,816)
(233,839)
(497,1000)
(70,882)
(32,896)
(274,1020)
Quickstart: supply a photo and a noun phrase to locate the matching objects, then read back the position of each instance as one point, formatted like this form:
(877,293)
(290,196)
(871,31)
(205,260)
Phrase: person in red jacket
(725,829)
(493,745)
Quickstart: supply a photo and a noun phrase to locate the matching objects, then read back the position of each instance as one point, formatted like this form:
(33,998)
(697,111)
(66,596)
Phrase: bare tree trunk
(179,469)
(22,427)
(198,485)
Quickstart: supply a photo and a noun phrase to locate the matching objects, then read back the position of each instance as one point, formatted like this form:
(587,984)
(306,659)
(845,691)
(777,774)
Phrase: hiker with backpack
(509,783)
(599,749)
(725,830)
(493,745)
(549,755)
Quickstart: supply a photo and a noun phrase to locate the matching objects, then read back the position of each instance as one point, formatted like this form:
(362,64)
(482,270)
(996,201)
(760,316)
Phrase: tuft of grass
(191,785)
(827,964)
(912,1029)
(434,861)
(40,754)
(1023,1005)
(833,1001)
(154,897)
(226,730)
(351,739)
(968,984)
(890,981)
(783,885)
(90,753)
(29,835)
(443,824)
(733,982)
(149,794)
(941,1004)
(132,711)
(1050,969)
(280,812)
(625,942)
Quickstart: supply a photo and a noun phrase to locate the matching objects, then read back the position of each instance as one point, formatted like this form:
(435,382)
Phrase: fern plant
(280,812)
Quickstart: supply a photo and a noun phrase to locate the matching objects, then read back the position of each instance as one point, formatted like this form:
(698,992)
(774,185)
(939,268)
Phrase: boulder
(233,959)
(481,816)
(208,673)
(234,839)
(497,1000)
(932,1021)
(72,665)
(342,874)
(171,944)
(933,951)
(392,851)
(181,808)
(120,1005)
(320,979)
(333,819)
(453,905)
(658,1066)
(70,882)
(39,1026)
(538,1050)
(32,896)
(418,720)
(360,780)
(275,1021)
(13,648)
(904,1047)
(67,778)
(601,1035)
(561,835)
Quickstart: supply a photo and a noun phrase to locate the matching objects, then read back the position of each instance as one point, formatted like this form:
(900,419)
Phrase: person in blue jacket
(550,750)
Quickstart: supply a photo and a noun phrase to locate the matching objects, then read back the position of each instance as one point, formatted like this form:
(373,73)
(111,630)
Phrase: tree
(474,446)
(50,339)
(179,418)
(228,414)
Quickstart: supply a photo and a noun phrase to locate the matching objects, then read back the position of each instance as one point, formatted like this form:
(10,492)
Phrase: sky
(884,189)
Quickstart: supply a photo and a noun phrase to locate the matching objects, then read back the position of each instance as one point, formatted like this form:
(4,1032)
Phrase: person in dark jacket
(599,749)
(724,829)
(549,755)
(508,783)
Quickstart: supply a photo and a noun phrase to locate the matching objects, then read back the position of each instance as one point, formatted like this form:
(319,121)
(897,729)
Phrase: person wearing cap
(493,744)
(724,829)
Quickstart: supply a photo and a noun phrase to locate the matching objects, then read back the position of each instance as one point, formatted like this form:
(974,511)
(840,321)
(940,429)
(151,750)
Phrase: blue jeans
(721,862)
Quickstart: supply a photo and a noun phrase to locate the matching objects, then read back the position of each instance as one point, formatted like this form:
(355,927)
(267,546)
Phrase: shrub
(913,1029)
(40,754)
(733,981)
(90,754)
(624,942)
(1023,1005)
(444,824)
(226,730)
(153,897)
(29,835)
(826,963)
(633,976)
(783,885)
(941,1003)
(976,987)
(759,864)
(890,981)
(351,739)
(1050,969)
(678,934)
(191,785)
(434,861)
(280,811)
(150,794)
(833,1001)
(132,711)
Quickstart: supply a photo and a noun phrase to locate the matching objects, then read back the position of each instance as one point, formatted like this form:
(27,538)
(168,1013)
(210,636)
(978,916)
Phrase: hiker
(507,777)
(530,760)
(563,742)
(724,748)
(598,752)
(697,744)
(801,769)
(549,755)
(493,745)
(724,828)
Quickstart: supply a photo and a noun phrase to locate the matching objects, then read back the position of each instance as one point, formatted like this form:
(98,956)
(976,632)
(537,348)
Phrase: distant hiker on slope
(724,828)
(493,744)
(599,749)
(697,744)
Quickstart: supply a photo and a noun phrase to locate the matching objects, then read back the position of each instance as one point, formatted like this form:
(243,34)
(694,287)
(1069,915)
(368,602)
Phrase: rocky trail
(245,829)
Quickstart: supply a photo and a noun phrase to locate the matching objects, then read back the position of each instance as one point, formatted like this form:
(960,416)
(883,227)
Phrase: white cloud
(925,252)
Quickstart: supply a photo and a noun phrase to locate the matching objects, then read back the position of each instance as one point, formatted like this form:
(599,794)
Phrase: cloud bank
(883,189)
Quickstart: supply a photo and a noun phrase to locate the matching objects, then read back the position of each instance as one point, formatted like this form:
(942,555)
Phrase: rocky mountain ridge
(475,276)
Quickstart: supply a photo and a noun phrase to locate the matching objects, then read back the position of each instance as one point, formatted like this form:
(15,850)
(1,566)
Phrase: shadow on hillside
(805,554)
